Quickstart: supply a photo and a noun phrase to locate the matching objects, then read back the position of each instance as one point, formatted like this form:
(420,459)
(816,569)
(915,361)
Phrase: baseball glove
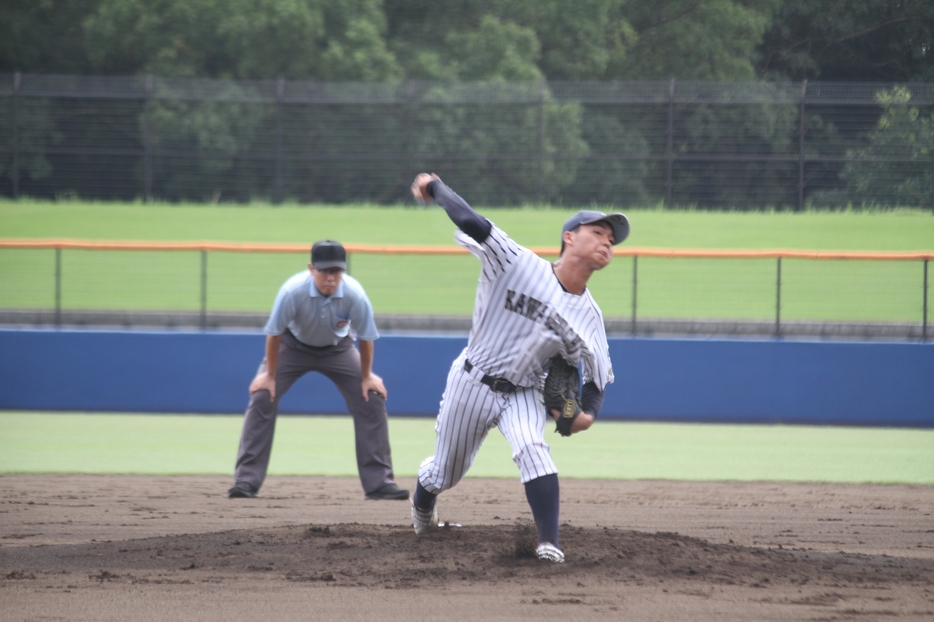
(562,393)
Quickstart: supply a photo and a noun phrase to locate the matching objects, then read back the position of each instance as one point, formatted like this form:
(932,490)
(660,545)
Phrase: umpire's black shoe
(242,490)
(388,491)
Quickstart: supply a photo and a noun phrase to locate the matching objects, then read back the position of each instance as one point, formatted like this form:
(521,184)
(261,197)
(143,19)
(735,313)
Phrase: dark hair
(562,238)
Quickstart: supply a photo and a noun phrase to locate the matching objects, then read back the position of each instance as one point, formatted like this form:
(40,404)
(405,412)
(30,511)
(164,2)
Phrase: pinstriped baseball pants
(469,410)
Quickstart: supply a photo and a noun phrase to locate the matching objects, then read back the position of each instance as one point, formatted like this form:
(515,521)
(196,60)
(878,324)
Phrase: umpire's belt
(500,385)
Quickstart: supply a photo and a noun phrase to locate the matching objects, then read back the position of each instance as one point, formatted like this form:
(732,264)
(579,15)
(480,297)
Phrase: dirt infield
(175,548)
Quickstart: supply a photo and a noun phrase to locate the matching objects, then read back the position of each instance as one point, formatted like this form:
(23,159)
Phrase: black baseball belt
(500,385)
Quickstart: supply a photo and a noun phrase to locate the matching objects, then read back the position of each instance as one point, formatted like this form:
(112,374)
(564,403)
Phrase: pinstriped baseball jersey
(522,319)
(520,297)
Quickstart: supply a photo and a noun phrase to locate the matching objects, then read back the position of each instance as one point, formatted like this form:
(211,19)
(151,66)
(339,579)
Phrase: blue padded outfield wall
(723,380)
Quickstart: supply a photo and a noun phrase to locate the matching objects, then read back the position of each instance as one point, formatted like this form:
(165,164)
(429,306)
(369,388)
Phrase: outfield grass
(674,288)
(902,230)
(195,444)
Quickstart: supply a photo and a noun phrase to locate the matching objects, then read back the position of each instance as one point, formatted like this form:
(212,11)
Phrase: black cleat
(242,490)
(389,491)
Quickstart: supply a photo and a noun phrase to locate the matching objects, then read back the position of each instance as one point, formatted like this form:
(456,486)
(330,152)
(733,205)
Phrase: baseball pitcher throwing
(534,324)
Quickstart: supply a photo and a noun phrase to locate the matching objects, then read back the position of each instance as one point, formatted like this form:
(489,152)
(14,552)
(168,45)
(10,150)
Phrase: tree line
(199,148)
(389,40)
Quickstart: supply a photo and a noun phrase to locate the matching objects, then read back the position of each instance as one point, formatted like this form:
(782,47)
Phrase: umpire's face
(328,280)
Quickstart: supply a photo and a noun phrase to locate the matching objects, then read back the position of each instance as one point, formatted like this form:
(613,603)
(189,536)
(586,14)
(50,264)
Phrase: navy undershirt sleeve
(591,399)
(460,212)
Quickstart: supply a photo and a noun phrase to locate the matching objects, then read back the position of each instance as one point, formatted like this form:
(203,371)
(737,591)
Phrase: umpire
(312,328)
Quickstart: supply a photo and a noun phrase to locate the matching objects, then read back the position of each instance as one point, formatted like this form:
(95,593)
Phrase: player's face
(594,242)
(327,280)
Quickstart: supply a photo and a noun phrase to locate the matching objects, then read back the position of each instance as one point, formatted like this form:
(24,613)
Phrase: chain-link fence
(680,143)
(868,295)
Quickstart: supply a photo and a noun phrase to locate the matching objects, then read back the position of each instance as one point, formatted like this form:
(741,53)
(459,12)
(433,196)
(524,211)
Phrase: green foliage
(533,149)
(44,36)
(317,137)
(580,39)
(902,132)
(36,131)
(877,40)
(736,131)
(485,145)
(220,130)
(686,39)
(561,39)
(473,39)
(359,51)
(590,39)
(616,176)
(496,49)
(322,39)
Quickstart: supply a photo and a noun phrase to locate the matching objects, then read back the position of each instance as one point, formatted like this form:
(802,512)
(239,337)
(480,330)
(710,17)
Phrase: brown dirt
(175,548)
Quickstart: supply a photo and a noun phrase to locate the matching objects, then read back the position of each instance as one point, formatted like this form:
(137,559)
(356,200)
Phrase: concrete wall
(656,379)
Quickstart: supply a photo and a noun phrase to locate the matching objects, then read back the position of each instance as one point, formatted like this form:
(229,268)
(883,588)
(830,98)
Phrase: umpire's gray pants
(341,364)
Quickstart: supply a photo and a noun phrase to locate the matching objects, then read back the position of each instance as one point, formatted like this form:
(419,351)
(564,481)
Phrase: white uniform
(522,318)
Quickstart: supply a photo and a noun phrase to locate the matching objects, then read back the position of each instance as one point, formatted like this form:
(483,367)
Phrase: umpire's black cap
(618,221)
(328,254)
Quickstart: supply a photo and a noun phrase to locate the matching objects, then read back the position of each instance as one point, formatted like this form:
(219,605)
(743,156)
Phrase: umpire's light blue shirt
(318,320)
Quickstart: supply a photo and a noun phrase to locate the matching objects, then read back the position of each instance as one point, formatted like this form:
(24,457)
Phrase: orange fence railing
(637,288)
(403,249)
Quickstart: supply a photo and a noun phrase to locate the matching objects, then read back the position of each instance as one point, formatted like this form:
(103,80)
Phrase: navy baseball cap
(328,254)
(618,221)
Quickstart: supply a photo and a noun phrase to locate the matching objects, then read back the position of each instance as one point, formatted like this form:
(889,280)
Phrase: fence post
(204,289)
(670,143)
(924,306)
(635,280)
(804,92)
(58,286)
(280,93)
(147,146)
(409,151)
(16,84)
(778,299)
(540,147)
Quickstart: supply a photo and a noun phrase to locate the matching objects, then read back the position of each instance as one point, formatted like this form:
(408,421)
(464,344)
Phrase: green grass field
(672,288)
(901,230)
(195,444)
(169,444)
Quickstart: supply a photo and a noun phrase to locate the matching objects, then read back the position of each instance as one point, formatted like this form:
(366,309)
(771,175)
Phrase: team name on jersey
(535,310)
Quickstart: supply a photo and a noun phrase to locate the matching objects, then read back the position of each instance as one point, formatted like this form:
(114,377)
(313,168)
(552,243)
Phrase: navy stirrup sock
(544,499)
(424,501)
